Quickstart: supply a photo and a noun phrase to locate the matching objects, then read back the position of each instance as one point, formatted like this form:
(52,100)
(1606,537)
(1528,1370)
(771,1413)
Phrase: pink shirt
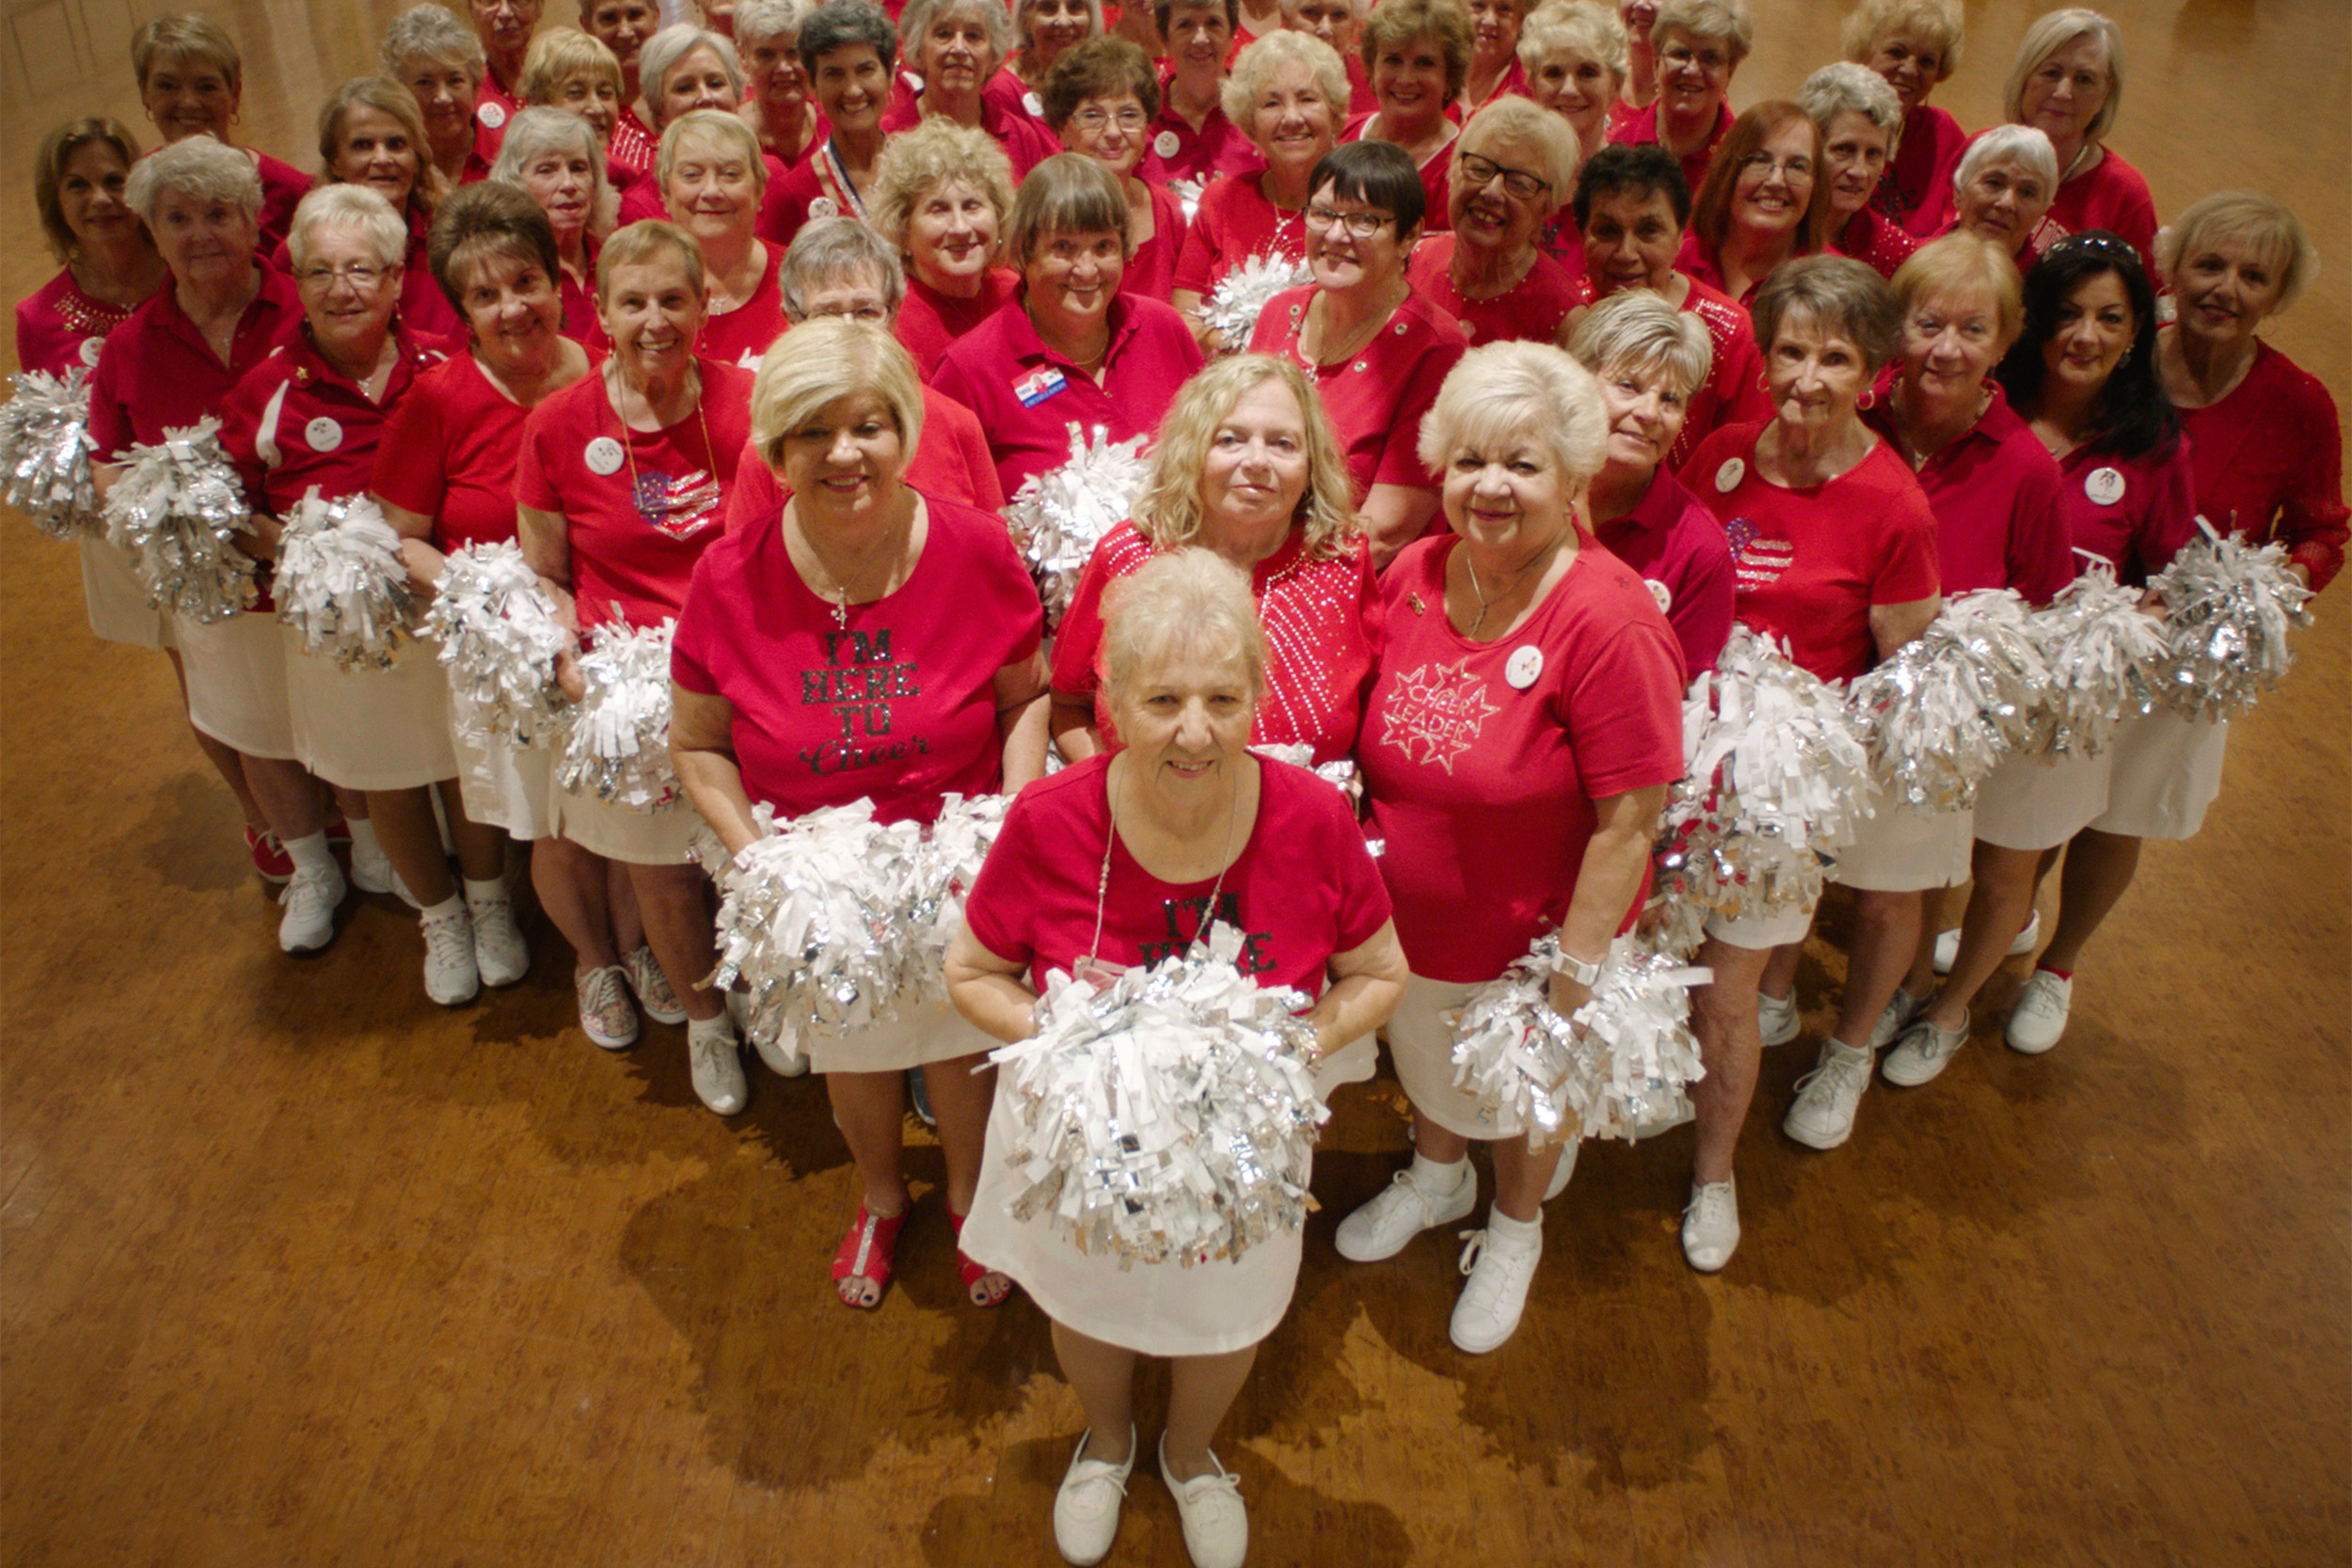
(1322,620)
(898,706)
(1483,786)
(1677,549)
(1303,888)
(950,463)
(1437,181)
(1025,141)
(1999,522)
(1027,396)
(2113,196)
(743,334)
(1812,562)
(1234,223)
(2136,512)
(636,529)
(293,422)
(930,322)
(1531,312)
(1177,151)
(1917,189)
(448,453)
(2270,464)
(157,372)
(1377,400)
(1151,270)
(59,328)
(1640,130)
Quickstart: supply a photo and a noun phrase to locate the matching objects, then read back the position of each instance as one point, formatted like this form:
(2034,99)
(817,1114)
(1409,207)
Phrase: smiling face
(89,195)
(851,87)
(774,74)
(1408,79)
(1111,131)
(1050,26)
(1775,184)
(512,310)
(1507,495)
(1645,415)
(1854,156)
(2225,289)
(374,150)
(348,294)
(1292,123)
(698,81)
(1488,214)
(1254,474)
(1908,63)
(1337,23)
(1072,278)
(1693,73)
(652,314)
(2095,330)
(955,54)
(187,96)
(205,244)
(2003,202)
(1185,716)
(1814,374)
(1578,89)
(1197,39)
(1951,340)
(2065,92)
(445,91)
(951,233)
(564,184)
(843,462)
(1494,32)
(622,27)
(713,191)
(1630,241)
(594,100)
(1342,259)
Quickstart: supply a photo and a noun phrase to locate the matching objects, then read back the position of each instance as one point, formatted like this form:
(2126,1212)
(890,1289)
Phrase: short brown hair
(1100,68)
(488,219)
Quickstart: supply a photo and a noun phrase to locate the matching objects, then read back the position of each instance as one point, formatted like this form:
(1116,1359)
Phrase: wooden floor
(298,1269)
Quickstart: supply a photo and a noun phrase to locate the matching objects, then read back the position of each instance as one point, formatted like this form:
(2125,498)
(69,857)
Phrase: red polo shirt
(156,370)
(1025,141)
(1234,223)
(1679,550)
(1640,130)
(1999,520)
(931,323)
(294,420)
(1177,151)
(2136,512)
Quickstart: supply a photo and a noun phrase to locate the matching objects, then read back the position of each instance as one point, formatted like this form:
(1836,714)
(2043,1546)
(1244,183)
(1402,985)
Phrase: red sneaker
(269,857)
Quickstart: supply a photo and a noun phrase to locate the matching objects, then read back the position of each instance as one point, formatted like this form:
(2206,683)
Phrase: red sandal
(867,1253)
(972,1272)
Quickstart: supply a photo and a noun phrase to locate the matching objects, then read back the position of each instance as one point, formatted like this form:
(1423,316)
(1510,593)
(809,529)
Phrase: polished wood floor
(296,1268)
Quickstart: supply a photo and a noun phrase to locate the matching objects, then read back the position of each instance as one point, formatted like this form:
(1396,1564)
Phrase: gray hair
(666,48)
(1727,20)
(1634,329)
(197,166)
(358,209)
(766,18)
(2052,32)
(430,33)
(1524,119)
(1844,87)
(838,250)
(1190,599)
(2019,144)
(1256,67)
(1584,27)
(838,24)
(1872,22)
(2268,225)
(917,18)
(534,132)
(1516,392)
(715,125)
(1836,293)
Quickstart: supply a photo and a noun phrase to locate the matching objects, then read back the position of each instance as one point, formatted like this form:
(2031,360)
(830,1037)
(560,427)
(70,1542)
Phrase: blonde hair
(915,163)
(2050,33)
(1960,263)
(359,209)
(1511,393)
(2268,225)
(386,96)
(716,127)
(1255,68)
(822,361)
(185,35)
(1584,27)
(1636,329)
(1169,511)
(1189,600)
(639,243)
(1869,23)
(540,129)
(1727,20)
(1524,119)
(558,54)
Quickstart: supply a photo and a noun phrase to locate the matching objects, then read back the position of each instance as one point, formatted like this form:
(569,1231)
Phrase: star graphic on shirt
(1442,709)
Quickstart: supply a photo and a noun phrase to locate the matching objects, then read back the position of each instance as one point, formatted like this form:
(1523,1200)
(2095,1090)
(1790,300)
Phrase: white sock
(696,1028)
(479,893)
(1503,1228)
(362,837)
(448,909)
(310,854)
(1432,1176)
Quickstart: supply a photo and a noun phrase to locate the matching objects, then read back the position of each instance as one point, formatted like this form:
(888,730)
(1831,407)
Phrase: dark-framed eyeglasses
(1519,181)
(1362,225)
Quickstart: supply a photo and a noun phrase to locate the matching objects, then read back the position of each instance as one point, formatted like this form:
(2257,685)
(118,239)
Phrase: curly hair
(1169,512)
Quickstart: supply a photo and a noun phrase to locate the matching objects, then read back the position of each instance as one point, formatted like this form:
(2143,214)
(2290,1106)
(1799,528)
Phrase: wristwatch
(1583,974)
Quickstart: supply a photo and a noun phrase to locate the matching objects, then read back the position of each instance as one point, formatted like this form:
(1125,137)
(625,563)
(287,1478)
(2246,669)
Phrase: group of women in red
(1492,368)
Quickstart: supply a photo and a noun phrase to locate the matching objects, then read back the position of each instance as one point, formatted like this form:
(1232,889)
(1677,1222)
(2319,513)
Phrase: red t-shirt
(1483,784)
(583,324)
(1322,621)
(1677,549)
(1025,141)
(643,198)
(2113,196)
(493,106)
(634,533)
(448,453)
(2269,464)
(1436,181)
(2134,511)
(930,323)
(1917,189)
(1028,397)
(1303,888)
(1812,562)
(950,463)
(1640,130)
(1233,224)
(293,422)
(1876,242)
(1531,311)
(1377,400)
(743,334)
(900,705)
(1999,522)
(157,372)
(1151,270)
(283,186)
(1177,151)
(58,327)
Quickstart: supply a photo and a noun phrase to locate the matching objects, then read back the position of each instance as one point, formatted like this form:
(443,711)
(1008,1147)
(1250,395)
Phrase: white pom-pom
(341,583)
(1058,516)
(2106,657)
(618,747)
(1620,1062)
(1242,295)
(1339,773)
(1943,710)
(498,639)
(45,453)
(177,508)
(1168,1119)
(2227,608)
(941,872)
(1187,195)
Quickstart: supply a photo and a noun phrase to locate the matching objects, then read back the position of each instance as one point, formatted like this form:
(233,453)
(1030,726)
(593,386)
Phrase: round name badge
(1658,591)
(604,455)
(1167,145)
(823,207)
(323,434)
(2105,486)
(1525,665)
(1035,104)
(90,351)
(491,115)
(1727,477)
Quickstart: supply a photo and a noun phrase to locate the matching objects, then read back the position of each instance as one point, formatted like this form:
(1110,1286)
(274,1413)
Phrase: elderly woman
(955,47)
(856,568)
(2067,82)
(1859,117)
(504,27)
(1339,24)
(1512,167)
(2001,192)
(1194,140)
(1069,347)
(779,109)
(942,194)
(169,365)
(1836,546)
(1649,359)
(435,56)
(1100,100)
(1764,201)
(568,69)
(1912,45)
(1375,350)
(847,49)
(1246,465)
(1285,93)
(1574,59)
(1699,44)
(1108,863)
(371,133)
(1418,52)
(1525,722)
(191,81)
(1494,64)
(1632,208)
(621,484)
(624,26)
(1044,31)
(555,157)
(686,68)
(713,179)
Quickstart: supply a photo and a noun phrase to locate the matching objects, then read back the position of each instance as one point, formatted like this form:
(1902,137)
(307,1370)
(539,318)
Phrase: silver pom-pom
(1943,710)
(1058,516)
(498,639)
(1242,295)
(2106,659)
(1187,195)
(341,583)
(1619,1063)
(618,746)
(1339,773)
(1168,1119)
(177,508)
(943,870)
(45,453)
(2227,608)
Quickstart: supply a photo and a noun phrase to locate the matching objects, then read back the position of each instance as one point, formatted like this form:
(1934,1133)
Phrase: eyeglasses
(1710,61)
(1762,165)
(359,274)
(1128,118)
(1481,171)
(2099,242)
(873,315)
(1362,225)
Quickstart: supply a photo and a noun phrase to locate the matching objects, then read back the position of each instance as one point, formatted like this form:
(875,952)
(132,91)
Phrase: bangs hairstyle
(838,250)
(559,54)
(920,15)
(1635,330)
(1394,24)
(1936,22)
(534,133)
(360,209)
(1844,87)
(429,34)
(1522,119)
(488,219)
(2133,417)
(1727,20)
(1962,266)
(2029,145)
(1832,293)
(196,167)
(1169,511)
(2268,228)
(1711,212)
(2051,33)
(1069,193)
(1503,396)
(185,35)
(822,361)
(1640,172)
(838,23)
(384,96)
(717,128)
(1164,9)
(937,152)
(57,150)
(767,19)
(1256,67)
(1023,9)
(1186,601)
(1583,30)
(640,243)
(662,52)
(1376,173)
(1100,68)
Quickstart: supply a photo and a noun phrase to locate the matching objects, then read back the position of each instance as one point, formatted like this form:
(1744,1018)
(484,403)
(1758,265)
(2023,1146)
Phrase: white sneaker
(1827,1097)
(1922,1053)
(1486,1313)
(1776,1019)
(371,870)
(310,900)
(718,1063)
(605,1013)
(654,992)
(1901,1009)
(1710,1224)
(499,952)
(1560,1172)
(1217,1525)
(1947,943)
(1086,1509)
(2038,1020)
(1402,1210)
(451,977)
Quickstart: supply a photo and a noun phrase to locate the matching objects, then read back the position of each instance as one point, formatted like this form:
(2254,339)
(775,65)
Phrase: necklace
(1510,580)
(1102,883)
(1344,352)
(628,437)
(842,583)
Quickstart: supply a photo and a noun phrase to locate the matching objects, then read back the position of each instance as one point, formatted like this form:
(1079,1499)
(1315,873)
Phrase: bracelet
(1585,973)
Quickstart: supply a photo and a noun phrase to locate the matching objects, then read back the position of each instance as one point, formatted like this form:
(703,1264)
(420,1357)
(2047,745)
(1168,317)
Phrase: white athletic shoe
(2038,1020)
(1827,1097)
(1947,943)
(1402,1210)
(1776,1019)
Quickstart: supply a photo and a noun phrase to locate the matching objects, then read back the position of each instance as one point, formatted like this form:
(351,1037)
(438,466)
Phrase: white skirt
(1901,852)
(236,672)
(2168,770)
(632,837)
(931,1031)
(1421,1044)
(2027,804)
(119,608)
(1761,933)
(505,786)
(370,729)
